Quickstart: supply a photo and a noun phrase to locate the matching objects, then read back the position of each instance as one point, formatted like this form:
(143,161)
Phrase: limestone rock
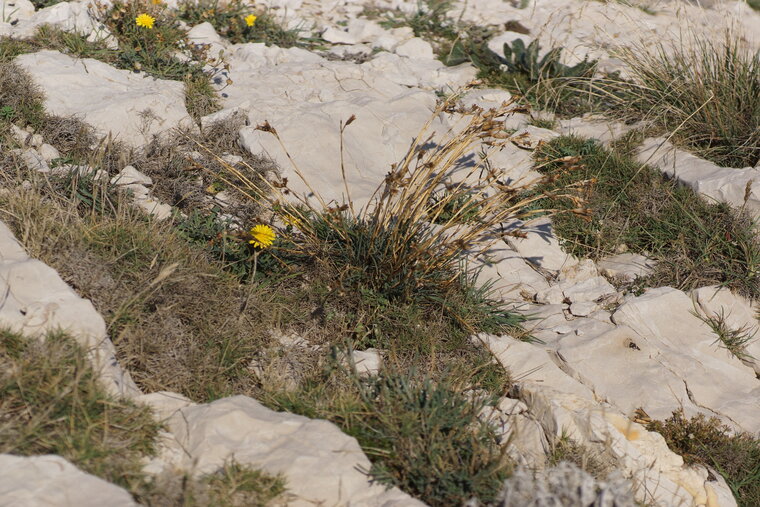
(712,378)
(319,462)
(737,312)
(38,301)
(725,184)
(133,107)
(131,176)
(367,362)
(52,481)
(626,266)
(564,485)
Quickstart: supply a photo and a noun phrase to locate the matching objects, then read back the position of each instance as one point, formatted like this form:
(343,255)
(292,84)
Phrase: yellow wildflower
(145,20)
(156,2)
(250,19)
(262,236)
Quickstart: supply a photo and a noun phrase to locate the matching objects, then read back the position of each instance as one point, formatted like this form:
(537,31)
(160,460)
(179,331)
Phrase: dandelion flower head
(262,236)
(145,20)
(250,19)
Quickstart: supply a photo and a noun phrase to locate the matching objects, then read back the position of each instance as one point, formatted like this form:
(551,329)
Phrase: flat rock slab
(739,187)
(37,301)
(133,107)
(322,465)
(51,481)
(306,97)
(678,344)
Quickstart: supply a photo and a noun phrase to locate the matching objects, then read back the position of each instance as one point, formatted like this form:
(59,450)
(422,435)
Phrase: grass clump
(633,207)
(734,340)
(51,402)
(422,436)
(735,456)
(707,92)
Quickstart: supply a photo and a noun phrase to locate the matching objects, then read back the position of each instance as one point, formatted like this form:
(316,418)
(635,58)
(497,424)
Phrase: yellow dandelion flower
(250,19)
(156,2)
(145,20)
(262,236)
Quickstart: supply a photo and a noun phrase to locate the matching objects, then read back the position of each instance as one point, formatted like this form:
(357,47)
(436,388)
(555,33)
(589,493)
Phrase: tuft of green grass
(634,207)
(735,456)
(707,93)
(236,485)
(51,402)
(422,436)
(734,340)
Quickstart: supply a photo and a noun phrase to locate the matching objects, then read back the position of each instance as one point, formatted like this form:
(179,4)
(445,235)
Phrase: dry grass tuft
(706,92)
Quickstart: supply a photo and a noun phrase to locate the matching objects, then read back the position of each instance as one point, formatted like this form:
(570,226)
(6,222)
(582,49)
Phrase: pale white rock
(712,377)
(531,364)
(48,152)
(576,273)
(594,127)
(13,11)
(367,362)
(157,209)
(511,278)
(72,16)
(583,308)
(725,184)
(590,289)
(205,33)
(228,114)
(365,30)
(485,98)
(541,246)
(738,314)
(21,136)
(37,301)
(34,161)
(52,481)
(415,48)
(512,406)
(132,107)
(659,474)
(626,266)
(337,36)
(321,464)
(131,176)
(525,439)
(552,296)
(138,190)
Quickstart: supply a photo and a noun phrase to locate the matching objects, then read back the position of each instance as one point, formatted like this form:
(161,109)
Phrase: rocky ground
(135,159)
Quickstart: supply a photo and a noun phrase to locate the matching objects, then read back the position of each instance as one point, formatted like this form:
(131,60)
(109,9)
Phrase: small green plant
(236,485)
(525,60)
(7,113)
(734,340)
(735,456)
